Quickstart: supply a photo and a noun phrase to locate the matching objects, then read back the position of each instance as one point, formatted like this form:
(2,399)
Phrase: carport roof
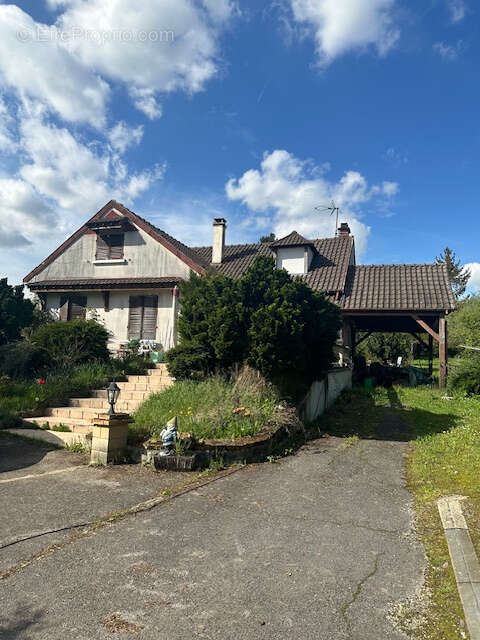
(402,287)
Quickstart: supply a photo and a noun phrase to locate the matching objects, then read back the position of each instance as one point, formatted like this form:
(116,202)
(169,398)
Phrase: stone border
(246,450)
(464,560)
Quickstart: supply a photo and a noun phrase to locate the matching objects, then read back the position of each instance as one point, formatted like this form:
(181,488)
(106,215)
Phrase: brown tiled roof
(328,271)
(166,282)
(293,239)
(402,287)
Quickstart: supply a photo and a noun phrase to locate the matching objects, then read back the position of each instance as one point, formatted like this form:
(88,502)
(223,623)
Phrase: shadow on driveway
(16,453)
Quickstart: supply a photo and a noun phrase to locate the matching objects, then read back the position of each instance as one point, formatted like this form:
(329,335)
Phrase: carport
(413,299)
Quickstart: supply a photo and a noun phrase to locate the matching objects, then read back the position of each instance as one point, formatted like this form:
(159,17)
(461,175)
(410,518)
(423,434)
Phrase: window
(142,318)
(110,246)
(73,307)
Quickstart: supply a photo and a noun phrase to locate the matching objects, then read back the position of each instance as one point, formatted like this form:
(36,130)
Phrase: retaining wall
(323,393)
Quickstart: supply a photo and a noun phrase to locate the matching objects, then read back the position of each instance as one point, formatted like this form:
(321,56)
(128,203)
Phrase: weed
(75,447)
(351,440)
(63,428)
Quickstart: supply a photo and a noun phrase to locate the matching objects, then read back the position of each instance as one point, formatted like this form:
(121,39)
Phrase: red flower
(41,381)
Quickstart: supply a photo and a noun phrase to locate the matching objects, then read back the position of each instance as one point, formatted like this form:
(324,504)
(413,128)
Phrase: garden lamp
(113,391)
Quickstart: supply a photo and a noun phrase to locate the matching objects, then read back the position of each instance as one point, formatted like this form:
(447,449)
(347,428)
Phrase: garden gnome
(169,437)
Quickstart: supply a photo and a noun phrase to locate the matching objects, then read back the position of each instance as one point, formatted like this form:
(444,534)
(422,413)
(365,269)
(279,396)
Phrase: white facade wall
(143,257)
(292,259)
(116,319)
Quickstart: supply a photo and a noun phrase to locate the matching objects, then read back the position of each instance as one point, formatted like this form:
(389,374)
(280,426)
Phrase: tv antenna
(333,209)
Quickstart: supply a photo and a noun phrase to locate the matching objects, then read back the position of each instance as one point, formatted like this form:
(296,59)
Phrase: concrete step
(158,373)
(102,404)
(144,386)
(81,413)
(76,425)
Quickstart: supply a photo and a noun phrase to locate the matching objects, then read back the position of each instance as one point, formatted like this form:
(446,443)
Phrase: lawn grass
(443,459)
(213,408)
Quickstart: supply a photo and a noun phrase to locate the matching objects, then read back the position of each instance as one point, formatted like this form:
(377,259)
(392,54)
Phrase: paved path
(316,546)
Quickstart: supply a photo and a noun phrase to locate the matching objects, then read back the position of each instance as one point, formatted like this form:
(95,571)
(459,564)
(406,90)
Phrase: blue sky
(255,111)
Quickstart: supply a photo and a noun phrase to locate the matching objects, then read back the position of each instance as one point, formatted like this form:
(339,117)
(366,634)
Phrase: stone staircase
(80,413)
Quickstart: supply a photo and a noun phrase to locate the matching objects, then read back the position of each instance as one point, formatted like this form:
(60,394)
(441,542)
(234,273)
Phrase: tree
(270,238)
(277,325)
(464,324)
(458,275)
(16,312)
(386,347)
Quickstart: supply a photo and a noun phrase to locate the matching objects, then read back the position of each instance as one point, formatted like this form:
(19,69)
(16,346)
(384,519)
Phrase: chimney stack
(219,226)
(343,230)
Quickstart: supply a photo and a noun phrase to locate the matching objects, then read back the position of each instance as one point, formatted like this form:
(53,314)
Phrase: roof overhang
(103,284)
(105,226)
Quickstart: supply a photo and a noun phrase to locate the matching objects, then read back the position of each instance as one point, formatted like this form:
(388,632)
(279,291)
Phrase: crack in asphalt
(358,588)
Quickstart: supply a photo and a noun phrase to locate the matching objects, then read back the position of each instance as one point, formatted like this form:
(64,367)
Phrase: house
(124,271)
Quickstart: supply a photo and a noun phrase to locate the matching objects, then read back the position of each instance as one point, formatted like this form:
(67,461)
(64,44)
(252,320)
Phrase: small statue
(169,438)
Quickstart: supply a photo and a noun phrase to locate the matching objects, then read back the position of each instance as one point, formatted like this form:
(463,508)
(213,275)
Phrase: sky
(261,112)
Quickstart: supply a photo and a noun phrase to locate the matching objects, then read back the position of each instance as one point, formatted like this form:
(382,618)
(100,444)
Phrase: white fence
(323,393)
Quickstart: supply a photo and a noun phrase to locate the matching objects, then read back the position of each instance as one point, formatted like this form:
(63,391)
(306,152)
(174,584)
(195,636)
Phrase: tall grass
(213,408)
(18,397)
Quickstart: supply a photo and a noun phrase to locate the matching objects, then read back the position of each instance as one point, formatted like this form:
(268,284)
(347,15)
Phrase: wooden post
(430,355)
(442,352)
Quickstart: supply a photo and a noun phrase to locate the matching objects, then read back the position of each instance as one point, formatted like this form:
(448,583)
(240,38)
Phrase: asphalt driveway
(318,545)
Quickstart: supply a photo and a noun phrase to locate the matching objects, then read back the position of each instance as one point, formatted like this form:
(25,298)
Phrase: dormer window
(294,253)
(110,246)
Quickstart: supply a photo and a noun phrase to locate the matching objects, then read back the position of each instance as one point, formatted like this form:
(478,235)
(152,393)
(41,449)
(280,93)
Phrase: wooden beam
(442,352)
(367,335)
(426,327)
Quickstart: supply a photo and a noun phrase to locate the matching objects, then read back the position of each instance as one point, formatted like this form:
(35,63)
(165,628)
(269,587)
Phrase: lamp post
(113,391)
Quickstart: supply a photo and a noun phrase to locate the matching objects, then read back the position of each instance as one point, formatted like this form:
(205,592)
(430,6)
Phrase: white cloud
(7,123)
(390,188)
(457,9)
(288,190)
(122,136)
(24,214)
(170,45)
(75,175)
(447,51)
(44,70)
(474,282)
(340,26)
(144,99)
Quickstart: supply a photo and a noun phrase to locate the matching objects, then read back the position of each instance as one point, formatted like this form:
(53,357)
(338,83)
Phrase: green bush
(188,361)
(22,359)
(276,324)
(71,343)
(16,312)
(464,375)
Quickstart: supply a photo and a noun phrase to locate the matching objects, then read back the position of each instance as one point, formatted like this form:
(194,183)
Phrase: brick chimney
(219,227)
(343,230)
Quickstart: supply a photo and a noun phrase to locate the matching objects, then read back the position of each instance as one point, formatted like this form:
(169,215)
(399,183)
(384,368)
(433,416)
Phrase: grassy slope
(18,396)
(444,459)
(214,408)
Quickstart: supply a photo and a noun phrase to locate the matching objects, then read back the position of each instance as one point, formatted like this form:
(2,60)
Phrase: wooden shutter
(77,308)
(135,317)
(63,310)
(115,242)
(103,249)
(149,325)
